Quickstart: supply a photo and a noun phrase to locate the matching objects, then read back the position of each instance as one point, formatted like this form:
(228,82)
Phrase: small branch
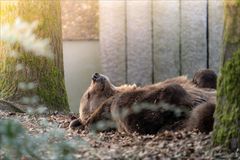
(12,105)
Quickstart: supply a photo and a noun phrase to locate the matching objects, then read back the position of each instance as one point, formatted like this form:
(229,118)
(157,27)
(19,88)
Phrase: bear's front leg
(75,123)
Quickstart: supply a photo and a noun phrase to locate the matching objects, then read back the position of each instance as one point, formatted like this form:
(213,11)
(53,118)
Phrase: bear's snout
(95,76)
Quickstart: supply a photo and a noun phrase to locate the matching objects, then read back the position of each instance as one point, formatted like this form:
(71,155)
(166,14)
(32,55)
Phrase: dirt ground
(114,145)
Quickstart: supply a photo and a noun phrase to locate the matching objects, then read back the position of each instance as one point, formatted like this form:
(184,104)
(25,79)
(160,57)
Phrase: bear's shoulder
(126,87)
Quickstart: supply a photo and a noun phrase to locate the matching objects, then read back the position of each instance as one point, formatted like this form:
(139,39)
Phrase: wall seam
(126,42)
(207,33)
(152,34)
(180,37)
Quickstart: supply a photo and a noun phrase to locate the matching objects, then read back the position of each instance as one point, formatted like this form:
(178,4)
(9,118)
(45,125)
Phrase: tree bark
(48,13)
(231,28)
(227,115)
(48,74)
(8,13)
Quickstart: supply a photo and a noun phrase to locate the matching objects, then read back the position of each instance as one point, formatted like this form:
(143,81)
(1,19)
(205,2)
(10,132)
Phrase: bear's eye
(88,95)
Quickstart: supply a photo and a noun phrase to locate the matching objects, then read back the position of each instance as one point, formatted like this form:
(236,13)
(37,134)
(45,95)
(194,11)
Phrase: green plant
(16,143)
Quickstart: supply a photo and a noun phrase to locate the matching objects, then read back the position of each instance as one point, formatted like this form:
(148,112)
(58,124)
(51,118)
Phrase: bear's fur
(145,110)
(201,118)
(205,78)
(98,93)
(165,103)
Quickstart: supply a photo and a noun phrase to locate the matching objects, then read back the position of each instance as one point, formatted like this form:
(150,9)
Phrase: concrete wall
(150,40)
(81,60)
(146,41)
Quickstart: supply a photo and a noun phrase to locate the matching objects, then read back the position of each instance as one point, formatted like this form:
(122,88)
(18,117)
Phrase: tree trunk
(227,115)
(231,29)
(48,13)
(8,13)
(46,73)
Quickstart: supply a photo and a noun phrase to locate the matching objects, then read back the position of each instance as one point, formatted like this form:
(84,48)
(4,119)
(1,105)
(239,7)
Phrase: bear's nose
(95,76)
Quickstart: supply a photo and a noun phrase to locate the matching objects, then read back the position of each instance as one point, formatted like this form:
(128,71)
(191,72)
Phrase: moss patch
(49,79)
(227,114)
(47,74)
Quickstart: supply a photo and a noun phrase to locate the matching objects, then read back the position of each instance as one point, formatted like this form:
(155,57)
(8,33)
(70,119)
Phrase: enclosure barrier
(147,41)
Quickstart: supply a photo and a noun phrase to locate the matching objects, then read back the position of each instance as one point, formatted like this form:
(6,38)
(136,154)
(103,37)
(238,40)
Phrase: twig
(15,108)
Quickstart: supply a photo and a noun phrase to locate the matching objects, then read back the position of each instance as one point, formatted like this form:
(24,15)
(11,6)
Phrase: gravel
(114,145)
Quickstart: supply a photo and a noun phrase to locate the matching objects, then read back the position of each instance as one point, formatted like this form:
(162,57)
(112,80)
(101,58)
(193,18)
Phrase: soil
(113,145)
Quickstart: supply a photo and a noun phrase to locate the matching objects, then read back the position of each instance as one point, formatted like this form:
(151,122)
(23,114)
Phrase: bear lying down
(173,104)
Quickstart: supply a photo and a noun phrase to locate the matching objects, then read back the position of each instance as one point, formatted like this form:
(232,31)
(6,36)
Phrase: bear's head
(99,91)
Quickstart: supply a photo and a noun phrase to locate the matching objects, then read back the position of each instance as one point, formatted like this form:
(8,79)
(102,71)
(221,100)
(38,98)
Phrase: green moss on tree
(231,28)
(8,13)
(8,87)
(50,82)
(52,89)
(227,114)
(47,74)
(48,14)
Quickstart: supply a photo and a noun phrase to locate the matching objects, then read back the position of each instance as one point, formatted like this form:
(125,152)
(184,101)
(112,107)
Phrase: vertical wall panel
(166,39)
(139,42)
(151,40)
(216,23)
(112,40)
(193,35)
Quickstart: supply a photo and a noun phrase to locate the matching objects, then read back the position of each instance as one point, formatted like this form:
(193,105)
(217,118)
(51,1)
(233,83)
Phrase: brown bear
(145,109)
(164,104)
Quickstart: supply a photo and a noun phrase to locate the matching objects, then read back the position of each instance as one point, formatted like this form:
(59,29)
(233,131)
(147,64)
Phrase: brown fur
(161,101)
(202,118)
(97,99)
(205,78)
(100,90)
(145,109)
